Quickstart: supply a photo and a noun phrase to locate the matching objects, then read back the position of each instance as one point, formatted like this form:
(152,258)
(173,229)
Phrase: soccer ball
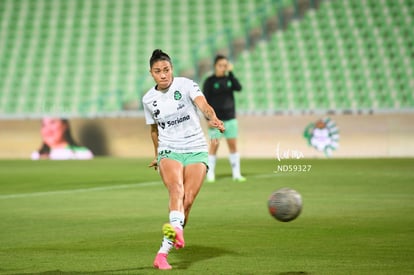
(285,204)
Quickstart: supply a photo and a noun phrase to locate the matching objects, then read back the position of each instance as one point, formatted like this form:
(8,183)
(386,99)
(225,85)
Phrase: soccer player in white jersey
(181,151)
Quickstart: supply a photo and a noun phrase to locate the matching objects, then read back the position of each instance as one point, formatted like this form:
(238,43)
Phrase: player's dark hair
(218,58)
(67,135)
(159,55)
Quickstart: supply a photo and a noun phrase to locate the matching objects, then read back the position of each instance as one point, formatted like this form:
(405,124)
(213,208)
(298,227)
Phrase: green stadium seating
(86,56)
(346,56)
(60,54)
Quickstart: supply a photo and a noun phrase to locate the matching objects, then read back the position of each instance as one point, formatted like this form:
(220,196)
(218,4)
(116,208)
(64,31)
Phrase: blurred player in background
(219,91)
(181,153)
(58,143)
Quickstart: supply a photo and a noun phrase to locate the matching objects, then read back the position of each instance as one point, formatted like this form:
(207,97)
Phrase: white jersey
(175,113)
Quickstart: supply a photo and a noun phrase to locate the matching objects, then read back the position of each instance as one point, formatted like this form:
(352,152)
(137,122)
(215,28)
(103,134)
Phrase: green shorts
(232,130)
(184,158)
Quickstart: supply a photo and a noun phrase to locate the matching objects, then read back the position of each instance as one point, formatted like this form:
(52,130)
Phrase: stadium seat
(345,54)
(344,45)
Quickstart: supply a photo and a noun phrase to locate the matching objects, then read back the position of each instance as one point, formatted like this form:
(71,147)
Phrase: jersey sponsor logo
(178,120)
(156,113)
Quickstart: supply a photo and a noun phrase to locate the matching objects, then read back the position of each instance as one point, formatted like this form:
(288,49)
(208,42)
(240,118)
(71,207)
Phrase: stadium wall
(379,135)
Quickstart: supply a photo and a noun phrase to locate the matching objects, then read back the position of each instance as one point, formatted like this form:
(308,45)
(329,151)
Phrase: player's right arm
(154,137)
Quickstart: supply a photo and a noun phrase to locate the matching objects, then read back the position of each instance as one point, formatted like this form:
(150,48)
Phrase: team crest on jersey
(177,95)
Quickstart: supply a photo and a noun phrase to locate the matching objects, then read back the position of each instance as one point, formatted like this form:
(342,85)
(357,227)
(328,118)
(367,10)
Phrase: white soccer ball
(285,204)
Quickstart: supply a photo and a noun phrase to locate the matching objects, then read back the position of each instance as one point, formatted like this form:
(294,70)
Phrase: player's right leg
(173,237)
(171,172)
(160,261)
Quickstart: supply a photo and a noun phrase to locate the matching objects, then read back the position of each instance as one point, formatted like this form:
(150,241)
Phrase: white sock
(211,166)
(177,219)
(235,165)
(166,246)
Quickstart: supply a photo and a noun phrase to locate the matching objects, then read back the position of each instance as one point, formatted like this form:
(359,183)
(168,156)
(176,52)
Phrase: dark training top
(219,94)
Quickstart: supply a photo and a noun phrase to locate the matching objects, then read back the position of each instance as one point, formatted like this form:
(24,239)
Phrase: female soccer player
(219,91)
(181,152)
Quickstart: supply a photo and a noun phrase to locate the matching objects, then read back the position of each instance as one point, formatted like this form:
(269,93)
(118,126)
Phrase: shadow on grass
(197,253)
(182,260)
(223,176)
(137,270)
(248,175)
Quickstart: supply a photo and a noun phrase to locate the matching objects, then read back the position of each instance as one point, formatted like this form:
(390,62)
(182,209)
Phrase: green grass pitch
(105,216)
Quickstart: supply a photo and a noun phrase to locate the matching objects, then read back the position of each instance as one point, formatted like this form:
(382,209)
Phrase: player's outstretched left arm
(209,113)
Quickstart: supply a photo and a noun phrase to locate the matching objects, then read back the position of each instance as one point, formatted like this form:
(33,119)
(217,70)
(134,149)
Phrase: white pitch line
(102,188)
(81,190)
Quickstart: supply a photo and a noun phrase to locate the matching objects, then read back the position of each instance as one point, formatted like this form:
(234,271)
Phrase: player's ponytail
(159,55)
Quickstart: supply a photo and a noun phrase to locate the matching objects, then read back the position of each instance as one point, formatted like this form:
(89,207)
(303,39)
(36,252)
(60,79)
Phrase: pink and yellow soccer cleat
(160,262)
